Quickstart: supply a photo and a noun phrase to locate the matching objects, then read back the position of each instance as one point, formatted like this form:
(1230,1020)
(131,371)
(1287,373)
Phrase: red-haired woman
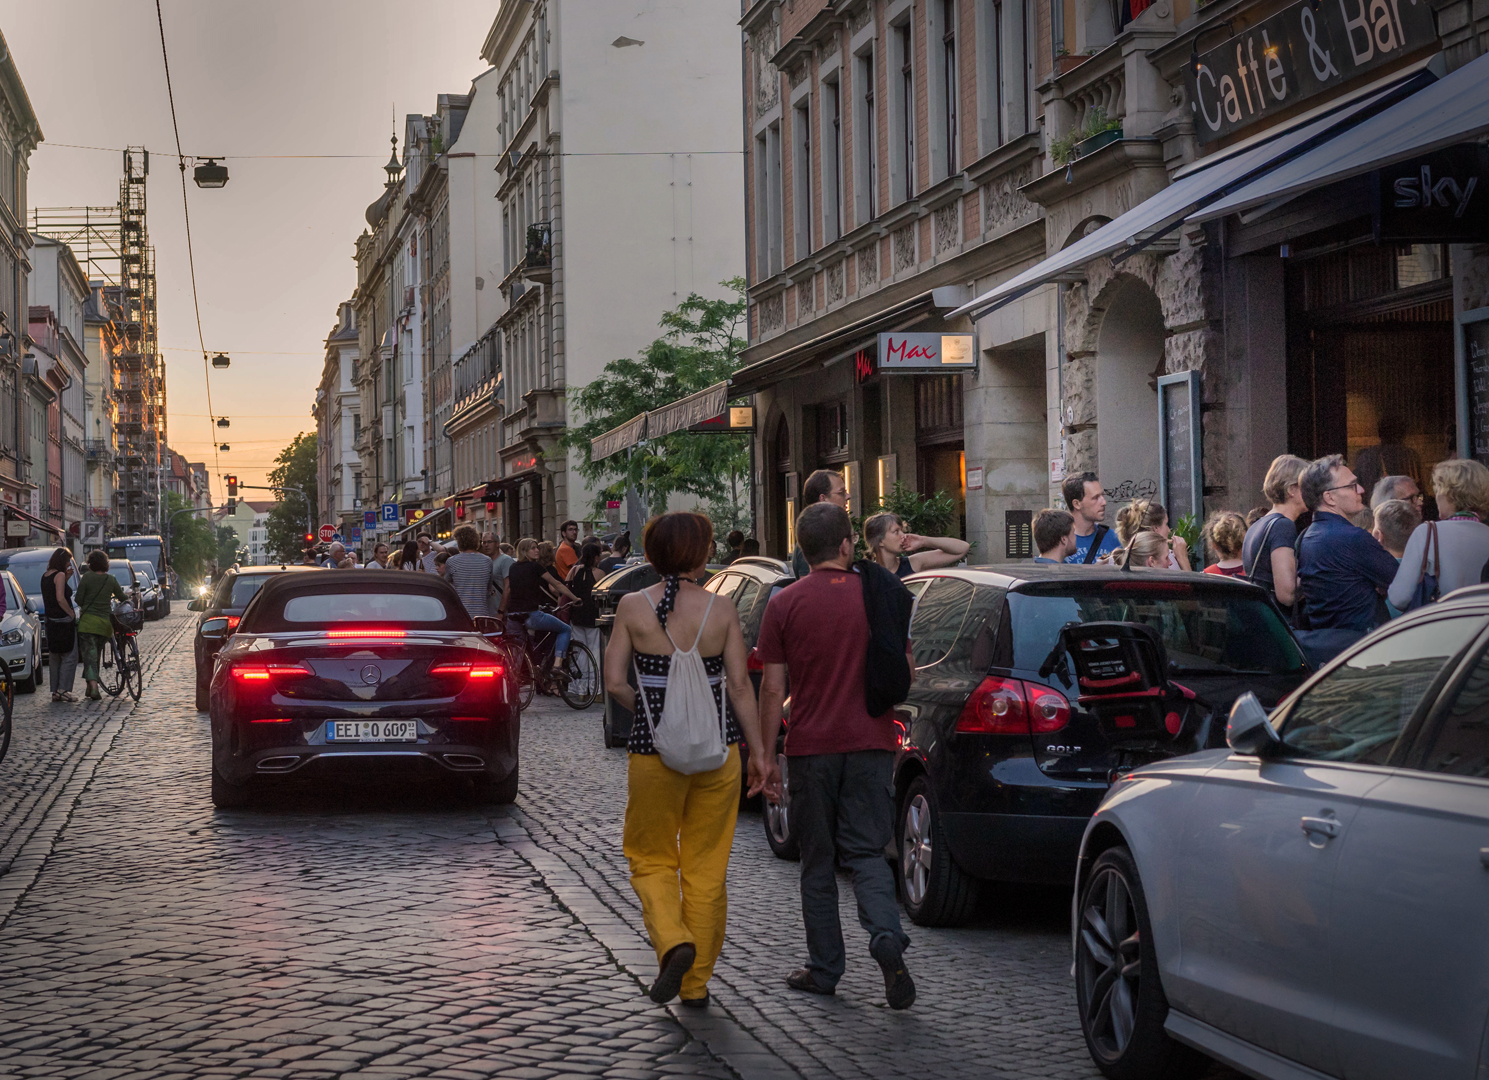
(680,827)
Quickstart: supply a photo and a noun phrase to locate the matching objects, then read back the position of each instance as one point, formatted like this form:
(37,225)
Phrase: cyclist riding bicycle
(524,595)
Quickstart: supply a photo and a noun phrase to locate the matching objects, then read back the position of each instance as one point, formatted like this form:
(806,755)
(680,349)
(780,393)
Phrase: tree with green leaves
(295,468)
(227,546)
(193,540)
(699,347)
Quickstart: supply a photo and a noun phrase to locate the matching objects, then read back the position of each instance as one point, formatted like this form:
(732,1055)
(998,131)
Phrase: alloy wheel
(916,850)
(778,815)
(1109,961)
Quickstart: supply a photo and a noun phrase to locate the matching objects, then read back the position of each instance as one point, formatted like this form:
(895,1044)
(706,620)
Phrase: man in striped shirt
(469,572)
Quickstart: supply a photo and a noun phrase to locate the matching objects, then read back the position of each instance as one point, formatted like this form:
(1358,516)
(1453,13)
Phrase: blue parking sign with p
(390,512)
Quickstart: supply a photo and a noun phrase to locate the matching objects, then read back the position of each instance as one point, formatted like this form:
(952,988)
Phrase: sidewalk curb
(18,878)
(716,1029)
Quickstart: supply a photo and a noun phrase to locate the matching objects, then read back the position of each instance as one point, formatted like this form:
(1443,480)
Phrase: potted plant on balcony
(1091,136)
(1066,61)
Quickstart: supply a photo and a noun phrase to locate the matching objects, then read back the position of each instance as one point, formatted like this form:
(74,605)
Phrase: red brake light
(265,672)
(478,671)
(368,633)
(250,673)
(1013,707)
(233,621)
(490,671)
(1140,586)
(273,720)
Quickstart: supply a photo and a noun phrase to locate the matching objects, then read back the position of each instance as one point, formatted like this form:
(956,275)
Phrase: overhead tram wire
(190,257)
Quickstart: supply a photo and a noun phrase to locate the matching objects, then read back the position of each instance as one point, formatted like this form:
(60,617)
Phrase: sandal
(56,699)
(67,697)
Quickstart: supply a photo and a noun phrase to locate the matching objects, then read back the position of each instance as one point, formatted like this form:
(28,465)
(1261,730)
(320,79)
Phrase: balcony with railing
(537,263)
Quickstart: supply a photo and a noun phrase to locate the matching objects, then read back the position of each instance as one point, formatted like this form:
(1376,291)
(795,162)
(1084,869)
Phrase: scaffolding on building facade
(112,243)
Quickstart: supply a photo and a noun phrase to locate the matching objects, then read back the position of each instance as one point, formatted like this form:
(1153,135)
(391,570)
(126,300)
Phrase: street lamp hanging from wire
(209,174)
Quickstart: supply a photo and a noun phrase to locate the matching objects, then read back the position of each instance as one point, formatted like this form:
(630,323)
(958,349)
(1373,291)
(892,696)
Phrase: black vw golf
(361,673)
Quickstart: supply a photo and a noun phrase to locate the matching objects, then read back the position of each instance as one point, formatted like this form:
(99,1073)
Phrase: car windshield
(121,572)
(245,589)
(1204,631)
(366,607)
(28,574)
(144,569)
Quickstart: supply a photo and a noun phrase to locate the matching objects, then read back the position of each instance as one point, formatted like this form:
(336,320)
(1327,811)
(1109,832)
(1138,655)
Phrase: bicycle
(576,679)
(119,666)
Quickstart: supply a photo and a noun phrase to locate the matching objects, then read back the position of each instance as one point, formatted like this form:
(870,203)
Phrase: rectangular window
(774,198)
(949,84)
(902,164)
(865,142)
(832,161)
(801,179)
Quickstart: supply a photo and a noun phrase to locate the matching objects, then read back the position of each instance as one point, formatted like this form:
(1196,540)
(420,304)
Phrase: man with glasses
(1343,569)
(1396,487)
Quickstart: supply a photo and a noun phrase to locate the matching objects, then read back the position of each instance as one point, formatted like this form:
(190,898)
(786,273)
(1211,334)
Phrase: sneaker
(899,988)
(804,980)
(675,965)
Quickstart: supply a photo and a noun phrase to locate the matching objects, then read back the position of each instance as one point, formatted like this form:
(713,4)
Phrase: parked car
(152,599)
(27,565)
(221,609)
(20,636)
(150,549)
(355,674)
(1008,744)
(1310,901)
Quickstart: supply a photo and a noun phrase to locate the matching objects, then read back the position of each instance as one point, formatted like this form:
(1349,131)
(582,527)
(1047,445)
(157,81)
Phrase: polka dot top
(651,671)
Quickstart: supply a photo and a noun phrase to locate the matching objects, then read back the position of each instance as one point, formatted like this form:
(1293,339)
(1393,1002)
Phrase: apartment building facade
(59,294)
(338,424)
(19,135)
(102,343)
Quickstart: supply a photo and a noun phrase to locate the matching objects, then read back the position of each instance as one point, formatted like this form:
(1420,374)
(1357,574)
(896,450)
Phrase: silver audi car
(1313,901)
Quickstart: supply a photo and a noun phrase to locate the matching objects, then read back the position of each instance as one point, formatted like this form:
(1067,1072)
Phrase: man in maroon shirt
(840,758)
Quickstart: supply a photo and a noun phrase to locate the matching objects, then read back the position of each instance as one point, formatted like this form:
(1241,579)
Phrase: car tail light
(370,632)
(1013,707)
(251,673)
(233,621)
(266,672)
(470,671)
(273,720)
(753,661)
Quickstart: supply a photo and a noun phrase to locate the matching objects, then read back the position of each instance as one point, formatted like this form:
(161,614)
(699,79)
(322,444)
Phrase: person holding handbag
(683,772)
(1450,553)
(62,625)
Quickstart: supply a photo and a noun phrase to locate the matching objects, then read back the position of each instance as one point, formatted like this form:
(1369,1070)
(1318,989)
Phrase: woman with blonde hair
(1226,532)
(1145,551)
(891,546)
(679,827)
(1267,555)
(1148,514)
(1452,550)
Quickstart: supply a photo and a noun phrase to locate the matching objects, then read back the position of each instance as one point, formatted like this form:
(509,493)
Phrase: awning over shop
(1453,109)
(1165,211)
(687,412)
(617,439)
(425,522)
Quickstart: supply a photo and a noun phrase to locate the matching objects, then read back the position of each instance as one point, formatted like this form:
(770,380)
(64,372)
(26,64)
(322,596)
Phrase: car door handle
(1320,826)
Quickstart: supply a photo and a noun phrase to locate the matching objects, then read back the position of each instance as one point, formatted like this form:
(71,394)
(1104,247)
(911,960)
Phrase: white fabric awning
(685,412)
(1453,109)
(1162,212)
(618,438)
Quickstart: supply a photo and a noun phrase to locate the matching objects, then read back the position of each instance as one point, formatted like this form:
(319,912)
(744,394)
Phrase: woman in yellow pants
(679,828)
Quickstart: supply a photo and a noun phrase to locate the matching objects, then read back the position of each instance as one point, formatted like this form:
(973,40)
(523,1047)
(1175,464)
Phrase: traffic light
(232,504)
(309,541)
(232,486)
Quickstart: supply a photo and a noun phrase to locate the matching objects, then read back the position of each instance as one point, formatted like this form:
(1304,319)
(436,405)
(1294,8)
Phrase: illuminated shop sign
(1307,49)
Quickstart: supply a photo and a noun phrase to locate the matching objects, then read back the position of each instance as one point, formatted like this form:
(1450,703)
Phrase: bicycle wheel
(578,676)
(7,703)
(527,682)
(111,668)
(134,677)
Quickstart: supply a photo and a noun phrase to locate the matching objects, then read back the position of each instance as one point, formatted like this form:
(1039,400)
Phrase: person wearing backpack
(839,752)
(683,774)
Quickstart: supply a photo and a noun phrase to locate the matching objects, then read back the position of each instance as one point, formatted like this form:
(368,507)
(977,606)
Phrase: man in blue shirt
(1087,503)
(1342,568)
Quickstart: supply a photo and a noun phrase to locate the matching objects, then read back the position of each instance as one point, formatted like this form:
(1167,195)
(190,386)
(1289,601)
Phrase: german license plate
(372,730)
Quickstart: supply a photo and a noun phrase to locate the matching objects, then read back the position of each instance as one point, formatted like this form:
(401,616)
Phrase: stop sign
(327,533)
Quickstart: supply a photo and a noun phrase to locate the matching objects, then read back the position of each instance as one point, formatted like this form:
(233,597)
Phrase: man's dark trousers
(842,805)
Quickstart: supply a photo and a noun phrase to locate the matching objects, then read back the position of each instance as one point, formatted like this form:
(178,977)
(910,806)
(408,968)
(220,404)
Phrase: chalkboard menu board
(1180,481)
(1476,380)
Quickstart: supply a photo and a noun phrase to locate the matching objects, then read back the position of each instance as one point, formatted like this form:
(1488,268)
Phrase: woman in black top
(526,581)
(62,624)
(889,545)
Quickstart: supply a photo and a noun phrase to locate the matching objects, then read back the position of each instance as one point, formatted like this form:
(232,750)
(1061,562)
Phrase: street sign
(327,533)
(356,531)
(390,512)
(369,519)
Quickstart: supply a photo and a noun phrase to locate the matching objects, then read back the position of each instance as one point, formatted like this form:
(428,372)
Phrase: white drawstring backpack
(689,735)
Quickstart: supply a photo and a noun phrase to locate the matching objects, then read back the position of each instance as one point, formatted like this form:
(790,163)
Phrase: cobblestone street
(357,933)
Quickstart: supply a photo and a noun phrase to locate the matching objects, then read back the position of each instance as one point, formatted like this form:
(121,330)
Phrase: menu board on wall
(1179,472)
(1475,347)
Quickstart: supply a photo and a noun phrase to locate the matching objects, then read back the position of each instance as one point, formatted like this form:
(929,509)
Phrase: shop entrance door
(940,463)
(1370,360)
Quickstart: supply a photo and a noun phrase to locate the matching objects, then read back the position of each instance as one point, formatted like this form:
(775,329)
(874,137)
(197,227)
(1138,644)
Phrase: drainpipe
(1060,362)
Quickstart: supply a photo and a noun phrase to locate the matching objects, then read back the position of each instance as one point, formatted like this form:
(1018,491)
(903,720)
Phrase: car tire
(229,796)
(777,818)
(28,684)
(1118,991)
(936,891)
(499,792)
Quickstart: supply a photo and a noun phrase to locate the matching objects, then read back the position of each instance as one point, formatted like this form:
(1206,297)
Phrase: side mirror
(196,605)
(33,605)
(1250,731)
(216,628)
(487,626)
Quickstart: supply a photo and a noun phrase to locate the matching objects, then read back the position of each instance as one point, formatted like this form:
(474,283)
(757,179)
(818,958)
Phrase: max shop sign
(917,353)
(1300,52)
(1441,197)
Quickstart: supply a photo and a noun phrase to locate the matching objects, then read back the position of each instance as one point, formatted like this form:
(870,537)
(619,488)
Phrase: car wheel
(777,817)
(499,792)
(228,796)
(936,891)
(1116,979)
(28,684)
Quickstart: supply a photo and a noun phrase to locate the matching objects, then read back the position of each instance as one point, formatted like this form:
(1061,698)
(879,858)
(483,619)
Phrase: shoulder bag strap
(1262,547)
(1426,551)
(1097,536)
(1436,560)
(701,626)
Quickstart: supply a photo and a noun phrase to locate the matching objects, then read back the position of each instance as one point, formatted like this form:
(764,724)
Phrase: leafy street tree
(295,468)
(227,546)
(699,347)
(193,541)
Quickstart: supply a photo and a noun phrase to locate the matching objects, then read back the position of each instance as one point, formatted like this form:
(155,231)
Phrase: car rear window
(1203,630)
(363,607)
(245,589)
(123,573)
